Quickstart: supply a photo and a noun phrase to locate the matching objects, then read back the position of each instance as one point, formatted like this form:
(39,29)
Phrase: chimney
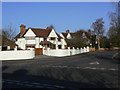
(89,32)
(22,29)
(67,31)
(47,28)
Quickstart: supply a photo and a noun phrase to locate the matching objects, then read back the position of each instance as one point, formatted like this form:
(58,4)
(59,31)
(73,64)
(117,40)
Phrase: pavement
(89,70)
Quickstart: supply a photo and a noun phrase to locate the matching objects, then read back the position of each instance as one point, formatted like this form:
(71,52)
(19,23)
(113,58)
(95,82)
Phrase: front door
(38,51)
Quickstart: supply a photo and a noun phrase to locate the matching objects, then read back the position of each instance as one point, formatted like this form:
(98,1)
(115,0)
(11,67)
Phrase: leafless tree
(114,29)
(98,27)
(9,32)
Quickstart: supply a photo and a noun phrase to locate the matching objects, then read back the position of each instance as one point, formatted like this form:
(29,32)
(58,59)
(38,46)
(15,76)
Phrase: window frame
(51,38)
(30,38)
(59,39)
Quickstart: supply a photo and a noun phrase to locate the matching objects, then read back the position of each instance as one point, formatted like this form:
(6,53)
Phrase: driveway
(90,70)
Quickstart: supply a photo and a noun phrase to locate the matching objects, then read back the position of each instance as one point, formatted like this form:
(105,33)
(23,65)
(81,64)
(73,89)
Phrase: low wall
(92,49)
(101,49)
(17,55)
(64,52)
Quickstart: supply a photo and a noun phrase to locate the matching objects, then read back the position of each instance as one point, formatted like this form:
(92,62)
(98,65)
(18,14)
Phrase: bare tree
(114,29)
(98,27)
(9,32)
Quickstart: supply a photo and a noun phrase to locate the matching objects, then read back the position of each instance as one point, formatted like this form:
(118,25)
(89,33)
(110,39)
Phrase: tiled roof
(18,36)
(72,34)
(39,32)
(45,42)
(6,42)
(64,34)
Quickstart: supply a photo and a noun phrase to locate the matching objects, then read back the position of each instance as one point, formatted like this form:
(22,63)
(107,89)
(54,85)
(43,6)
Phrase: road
(90,70)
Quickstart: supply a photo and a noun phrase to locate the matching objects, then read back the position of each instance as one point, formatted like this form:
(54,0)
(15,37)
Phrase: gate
(38,51)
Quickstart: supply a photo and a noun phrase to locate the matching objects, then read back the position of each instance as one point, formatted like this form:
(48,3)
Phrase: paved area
(90,70)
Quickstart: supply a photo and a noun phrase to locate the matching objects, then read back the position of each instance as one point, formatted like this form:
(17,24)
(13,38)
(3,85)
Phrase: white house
(39,38)
(69,35)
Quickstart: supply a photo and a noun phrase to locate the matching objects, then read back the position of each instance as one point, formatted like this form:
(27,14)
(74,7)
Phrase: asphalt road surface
(90,70)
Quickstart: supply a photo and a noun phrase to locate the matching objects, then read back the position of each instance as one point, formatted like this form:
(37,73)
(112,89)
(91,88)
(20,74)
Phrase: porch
(47,44)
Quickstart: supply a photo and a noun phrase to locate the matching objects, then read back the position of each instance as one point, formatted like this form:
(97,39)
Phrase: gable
(69,36)
(53,34)
(62,35)
(29,33)
(83,35)
(38,32)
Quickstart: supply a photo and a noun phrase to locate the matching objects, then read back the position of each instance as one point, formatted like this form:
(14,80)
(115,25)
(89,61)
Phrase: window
(52,38)
(48,45)
(29,38)
(33,46)
(15,39)
(45,39)
(59,46)
(65,46)
(33,37)
(30,46)
(26,38)
(59,39)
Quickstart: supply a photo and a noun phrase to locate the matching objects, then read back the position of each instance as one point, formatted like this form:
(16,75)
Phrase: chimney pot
(67,31)
(89,32)
(47,28)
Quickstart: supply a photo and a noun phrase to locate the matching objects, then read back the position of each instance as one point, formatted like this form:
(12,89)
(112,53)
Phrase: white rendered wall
(53,41)
(30,42)
(17,55)
(58,52)
(63,42)
(60,43)
(64,52)
(41,39)
(48,38)
(21,43)
(37,39)
(62,35)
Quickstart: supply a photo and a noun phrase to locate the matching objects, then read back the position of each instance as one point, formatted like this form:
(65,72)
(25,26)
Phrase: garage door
(38,51)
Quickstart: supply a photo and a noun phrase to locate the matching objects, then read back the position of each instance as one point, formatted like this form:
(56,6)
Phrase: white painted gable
(29,33)
(53,34)
(62,35)
(83,35)
(69,36)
